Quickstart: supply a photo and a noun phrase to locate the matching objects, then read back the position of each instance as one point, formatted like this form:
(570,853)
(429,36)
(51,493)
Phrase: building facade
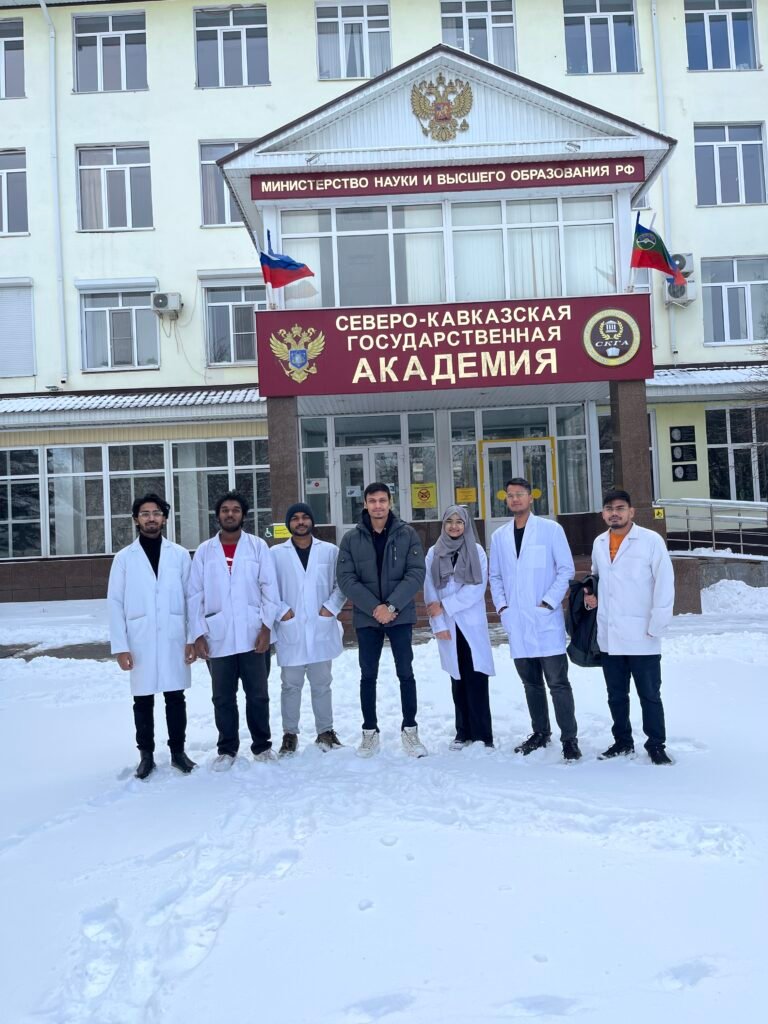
(129,277)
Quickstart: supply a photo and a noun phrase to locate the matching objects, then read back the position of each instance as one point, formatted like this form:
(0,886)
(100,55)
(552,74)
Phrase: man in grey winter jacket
(380,569)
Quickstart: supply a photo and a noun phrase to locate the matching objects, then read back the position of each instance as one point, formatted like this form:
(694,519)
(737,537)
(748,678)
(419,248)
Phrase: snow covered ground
(461,888)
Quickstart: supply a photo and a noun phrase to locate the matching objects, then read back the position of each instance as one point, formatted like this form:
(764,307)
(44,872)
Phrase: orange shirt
(614,543)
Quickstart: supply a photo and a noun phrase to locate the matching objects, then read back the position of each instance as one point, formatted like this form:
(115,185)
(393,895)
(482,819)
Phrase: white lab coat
(148,616)
(308,637)
(635,593)
(229,608)
(541,573)
(464,606)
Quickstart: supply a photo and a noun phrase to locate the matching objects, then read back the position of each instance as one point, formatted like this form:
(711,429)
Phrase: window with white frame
(75,500)
(352,40)
(219,206)
(464,460)
(735,294)
(11,58)
(17,336)
(737,453)
(252,480)
(13,192)
(110,52)
(600,36)
(484,28)
(115,187)
(730,164)
(119,331)
(314,465)
(231,324)
(20,534)
(514,249)
(231,46)
(720,35)
(134,470)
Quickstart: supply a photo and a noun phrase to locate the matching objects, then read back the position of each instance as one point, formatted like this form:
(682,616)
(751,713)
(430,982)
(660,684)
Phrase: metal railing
(741,526)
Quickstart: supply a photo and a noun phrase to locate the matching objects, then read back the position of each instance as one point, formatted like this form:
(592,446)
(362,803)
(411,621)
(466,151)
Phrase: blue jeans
(370,642)
(645,669)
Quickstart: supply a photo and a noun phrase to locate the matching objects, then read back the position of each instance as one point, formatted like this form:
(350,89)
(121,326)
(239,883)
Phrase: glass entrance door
(354,469)
(530,458)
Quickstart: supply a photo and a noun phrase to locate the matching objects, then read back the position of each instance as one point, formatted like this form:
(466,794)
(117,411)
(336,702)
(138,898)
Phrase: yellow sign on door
(424,495)
(466,495)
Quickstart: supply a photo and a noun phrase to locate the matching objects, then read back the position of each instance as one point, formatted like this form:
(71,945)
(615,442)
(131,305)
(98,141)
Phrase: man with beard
(636,595)
(233,599)
(149,629)
(308,636)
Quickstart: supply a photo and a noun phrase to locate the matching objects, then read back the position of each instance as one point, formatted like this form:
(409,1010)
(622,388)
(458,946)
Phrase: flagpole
(633,270)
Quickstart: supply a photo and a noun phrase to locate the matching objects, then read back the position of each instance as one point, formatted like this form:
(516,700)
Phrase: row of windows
(115,187)
(353,41)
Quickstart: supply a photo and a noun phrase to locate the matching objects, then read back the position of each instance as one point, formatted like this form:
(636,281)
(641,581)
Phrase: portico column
(631,456)
(283,449)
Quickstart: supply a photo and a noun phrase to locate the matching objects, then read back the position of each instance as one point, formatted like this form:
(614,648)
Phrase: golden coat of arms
(442,107)
(297,351)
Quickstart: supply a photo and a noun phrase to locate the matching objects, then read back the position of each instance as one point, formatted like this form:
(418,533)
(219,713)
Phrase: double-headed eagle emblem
(443,106)
(297,350)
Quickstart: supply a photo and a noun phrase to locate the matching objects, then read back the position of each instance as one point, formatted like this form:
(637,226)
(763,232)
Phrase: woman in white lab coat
(454,592)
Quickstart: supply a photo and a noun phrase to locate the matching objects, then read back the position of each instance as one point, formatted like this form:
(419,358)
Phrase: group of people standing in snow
(236,597)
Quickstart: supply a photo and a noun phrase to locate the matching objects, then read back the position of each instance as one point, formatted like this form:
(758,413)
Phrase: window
(115,188)
(231,47)
(119,331)
(352,40)
(729,164)
(600,36)
(737,454)
(13,192)
(231,323)
(17,339)
(75,500)
(252,480)
(134,469)
(484,28)
(735,296)
(110,53)
(572,472)
(314,461)
(219,205)
(11,58)
(464,461)
(422,466)
(720,35)
(20,504)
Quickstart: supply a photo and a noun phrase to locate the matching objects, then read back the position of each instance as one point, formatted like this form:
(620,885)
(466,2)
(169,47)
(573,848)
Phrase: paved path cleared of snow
(461,888)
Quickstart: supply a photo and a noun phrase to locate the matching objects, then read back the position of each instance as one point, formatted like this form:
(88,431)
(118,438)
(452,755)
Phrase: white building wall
(173,116)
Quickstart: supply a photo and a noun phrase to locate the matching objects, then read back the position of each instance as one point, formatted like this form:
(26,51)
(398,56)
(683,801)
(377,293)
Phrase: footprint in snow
(687,974)
(369,1010)
(541,1006)
(104,938)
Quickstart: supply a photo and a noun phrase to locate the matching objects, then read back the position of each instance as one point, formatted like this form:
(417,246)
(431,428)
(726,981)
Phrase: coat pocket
(288,633)
(216,625)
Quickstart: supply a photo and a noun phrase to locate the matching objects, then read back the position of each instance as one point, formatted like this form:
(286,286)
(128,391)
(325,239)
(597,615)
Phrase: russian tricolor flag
(278,270)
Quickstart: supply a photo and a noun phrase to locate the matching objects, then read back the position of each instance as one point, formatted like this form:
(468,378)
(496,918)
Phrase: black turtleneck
(152,547)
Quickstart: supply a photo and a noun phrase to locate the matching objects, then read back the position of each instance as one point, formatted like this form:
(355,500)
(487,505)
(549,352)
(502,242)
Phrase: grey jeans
(533,672)
(319,676)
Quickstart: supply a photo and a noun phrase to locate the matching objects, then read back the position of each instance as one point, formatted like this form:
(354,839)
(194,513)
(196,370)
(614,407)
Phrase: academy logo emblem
(297,351)
(442,107)
(611,337)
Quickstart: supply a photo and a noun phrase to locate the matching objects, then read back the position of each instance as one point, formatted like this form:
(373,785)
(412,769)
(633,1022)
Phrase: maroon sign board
(465,345)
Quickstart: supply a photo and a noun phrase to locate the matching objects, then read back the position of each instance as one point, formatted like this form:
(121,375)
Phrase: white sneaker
(222,763)
(459,744)
(369,745)
(411,743)
(265,755)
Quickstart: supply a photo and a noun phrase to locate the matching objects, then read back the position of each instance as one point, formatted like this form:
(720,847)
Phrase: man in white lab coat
(307,632)
(636,595)
(233,599)
(149,630)
(531,567)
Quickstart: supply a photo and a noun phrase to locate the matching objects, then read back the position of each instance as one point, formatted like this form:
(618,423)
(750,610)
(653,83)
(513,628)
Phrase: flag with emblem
(648,250)
(279,270)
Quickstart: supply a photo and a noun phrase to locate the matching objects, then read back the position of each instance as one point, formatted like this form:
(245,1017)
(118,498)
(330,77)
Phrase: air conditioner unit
(681,294)
(167,303)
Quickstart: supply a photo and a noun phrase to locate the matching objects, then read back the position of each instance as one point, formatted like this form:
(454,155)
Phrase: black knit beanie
(300,506)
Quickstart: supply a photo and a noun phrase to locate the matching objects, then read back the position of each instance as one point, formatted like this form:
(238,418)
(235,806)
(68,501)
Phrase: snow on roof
(102,401)
(705,375)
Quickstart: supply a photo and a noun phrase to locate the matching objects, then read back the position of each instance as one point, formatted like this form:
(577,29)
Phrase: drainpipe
(662,118)
(54,144)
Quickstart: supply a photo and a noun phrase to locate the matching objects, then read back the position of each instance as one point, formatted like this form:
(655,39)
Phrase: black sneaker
(659,755)
(328,740)
(146,765)
(182,763)
(534,741)
(289,745)
(617,750)
(571,750)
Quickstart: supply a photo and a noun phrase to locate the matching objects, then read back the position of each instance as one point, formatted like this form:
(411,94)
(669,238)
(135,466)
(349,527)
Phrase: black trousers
(470,698)
(175,719)
(645,669)
(249,668)
(553,668)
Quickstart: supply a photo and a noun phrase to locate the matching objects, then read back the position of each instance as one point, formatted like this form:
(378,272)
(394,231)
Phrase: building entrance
(354,469)
(530,458)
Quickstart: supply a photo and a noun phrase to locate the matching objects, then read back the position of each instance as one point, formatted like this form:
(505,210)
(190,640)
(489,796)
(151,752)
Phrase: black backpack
(582,625)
